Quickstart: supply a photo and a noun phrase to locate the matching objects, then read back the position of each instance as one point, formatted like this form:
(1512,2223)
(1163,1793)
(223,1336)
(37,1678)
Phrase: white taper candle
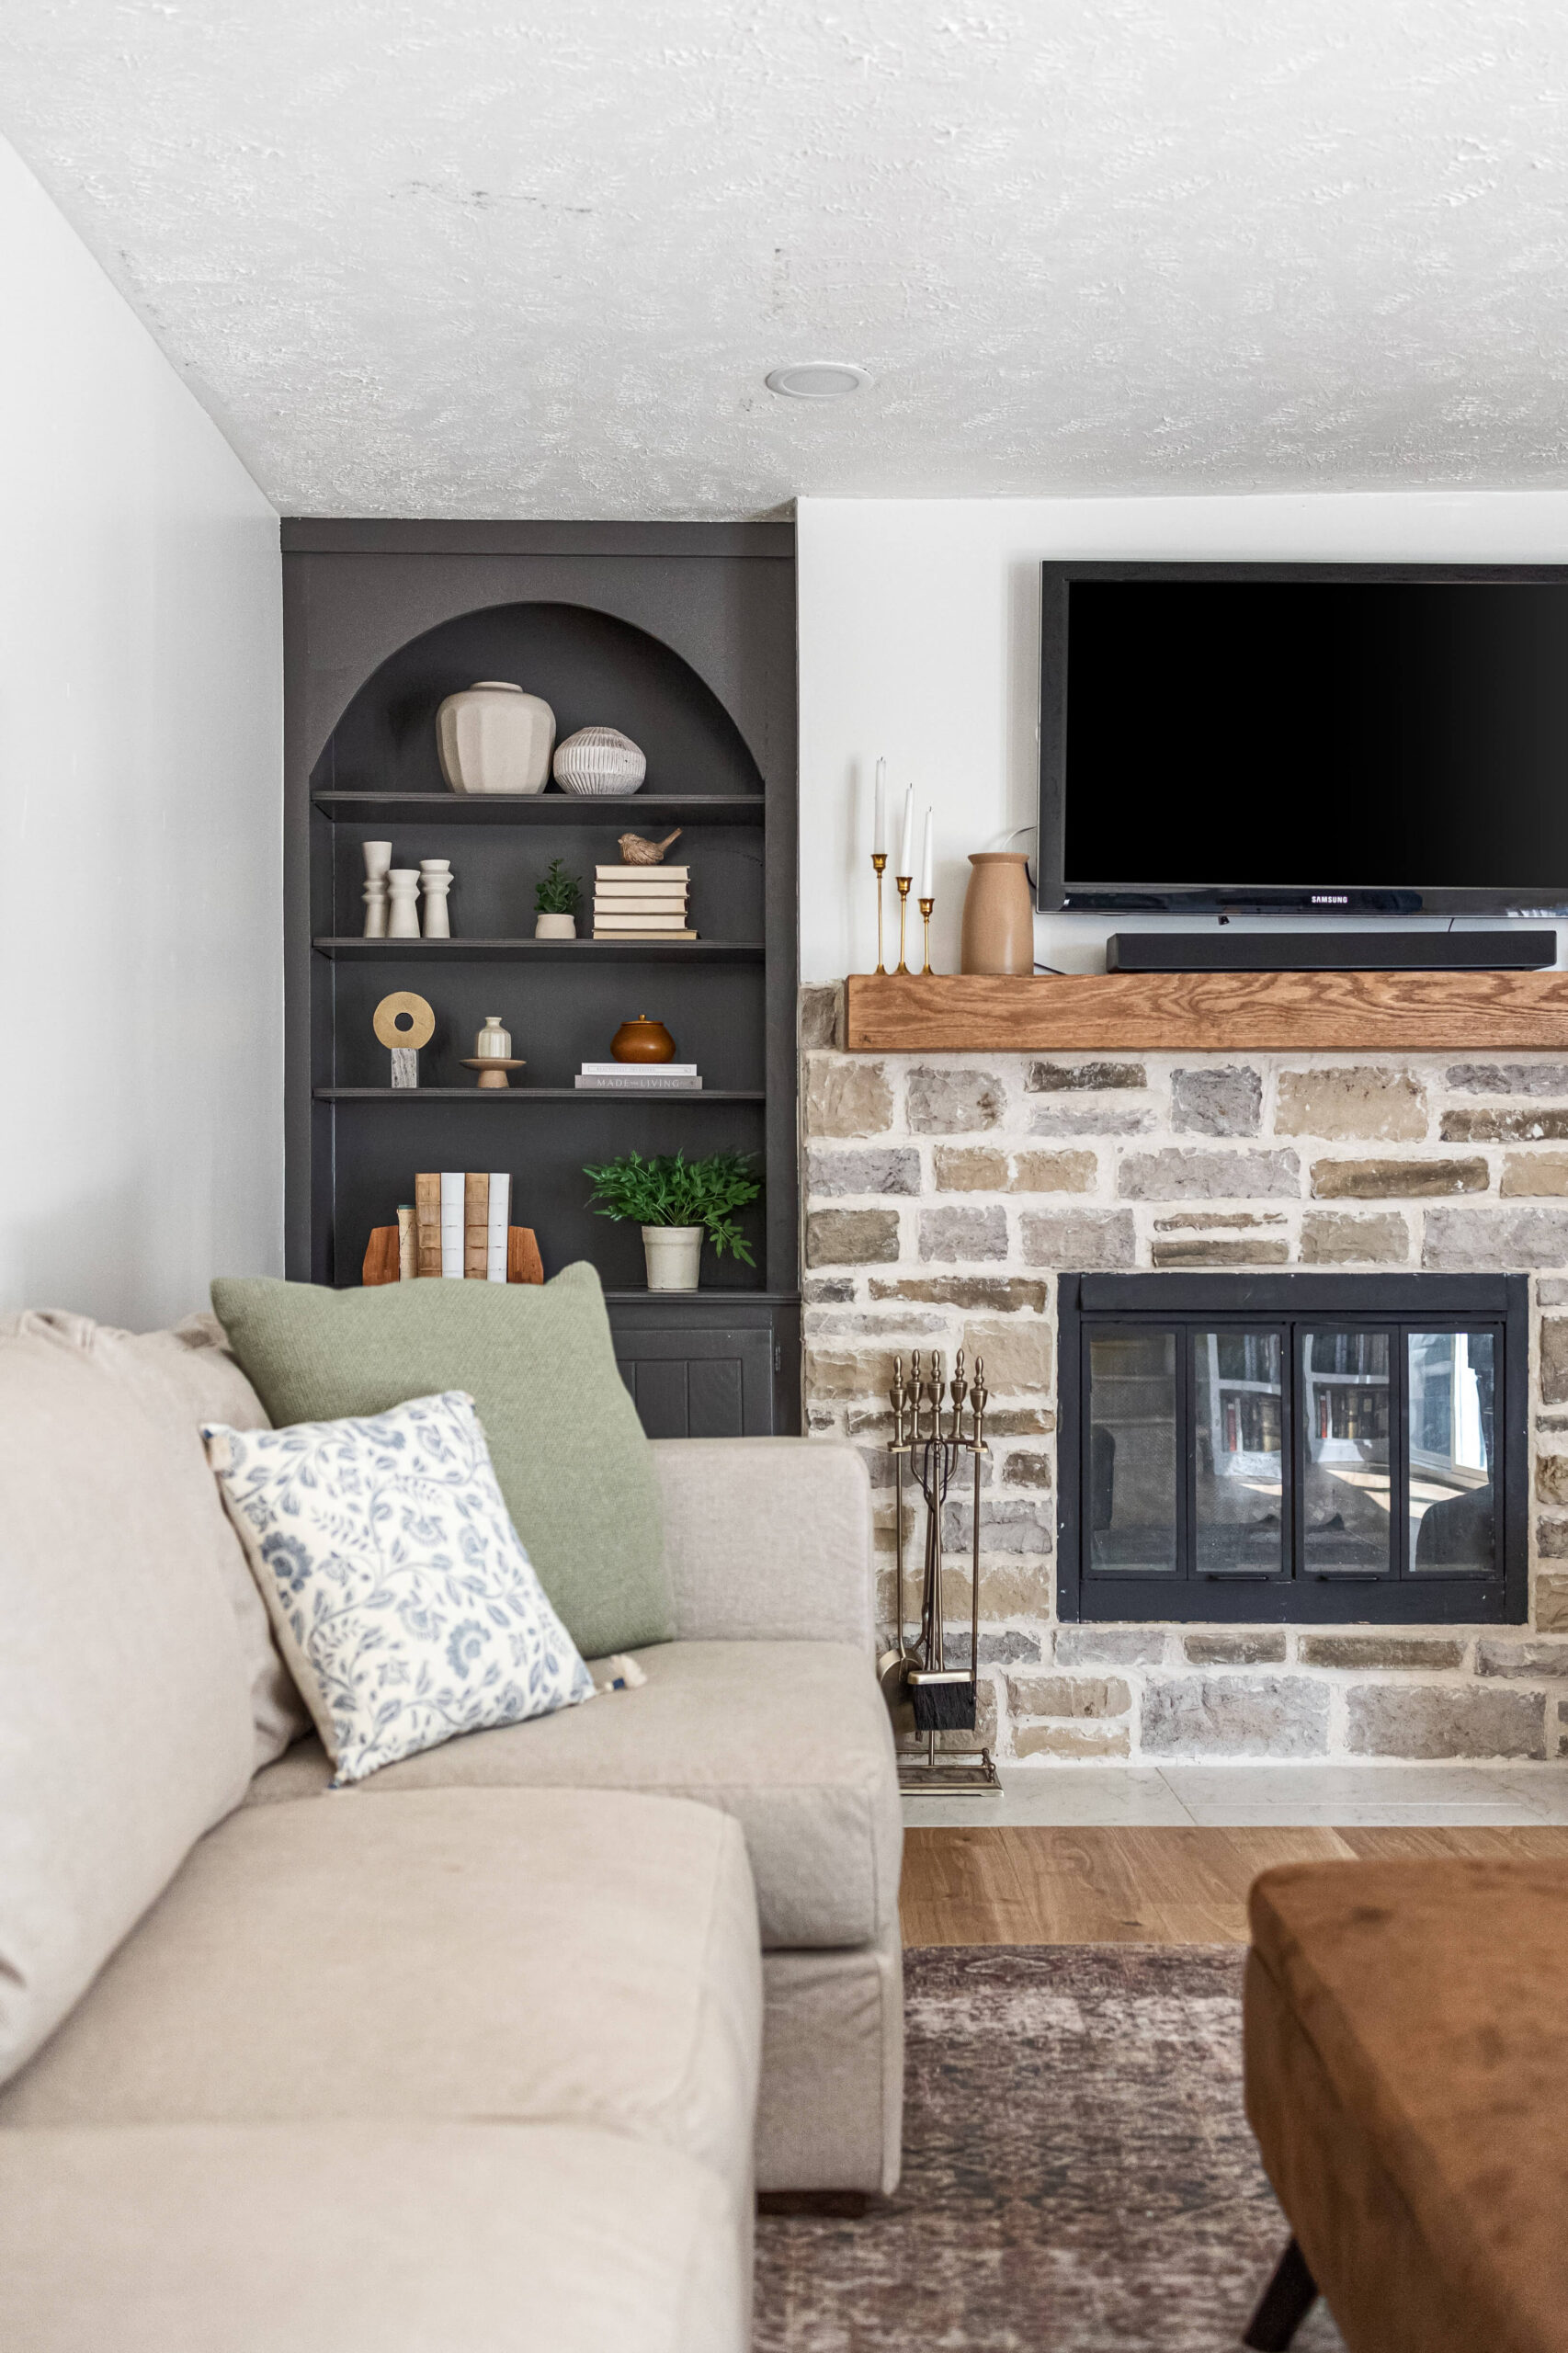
(906,856)
(927,887)
(879,835)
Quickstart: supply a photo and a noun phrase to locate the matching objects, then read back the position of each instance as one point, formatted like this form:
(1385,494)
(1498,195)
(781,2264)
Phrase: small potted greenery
(557,898)
(676,1201)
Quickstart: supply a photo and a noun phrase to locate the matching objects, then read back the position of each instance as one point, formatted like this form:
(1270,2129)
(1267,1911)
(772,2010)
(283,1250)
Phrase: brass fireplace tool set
(929,1435)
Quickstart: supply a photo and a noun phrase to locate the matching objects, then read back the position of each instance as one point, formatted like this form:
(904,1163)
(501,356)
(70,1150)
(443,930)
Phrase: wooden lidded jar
(643,1041)
(998,914)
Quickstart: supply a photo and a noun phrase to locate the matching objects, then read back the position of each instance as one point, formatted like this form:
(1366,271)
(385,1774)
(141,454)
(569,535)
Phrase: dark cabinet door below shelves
(720,1369)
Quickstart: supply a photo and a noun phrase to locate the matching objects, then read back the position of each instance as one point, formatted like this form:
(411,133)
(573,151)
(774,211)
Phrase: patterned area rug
(1078,2174)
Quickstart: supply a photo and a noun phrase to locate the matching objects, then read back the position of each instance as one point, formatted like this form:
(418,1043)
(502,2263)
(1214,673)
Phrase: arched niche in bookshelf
(592,667)
(692,655)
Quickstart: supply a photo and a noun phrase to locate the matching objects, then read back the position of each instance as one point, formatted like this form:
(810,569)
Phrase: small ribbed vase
(599,760)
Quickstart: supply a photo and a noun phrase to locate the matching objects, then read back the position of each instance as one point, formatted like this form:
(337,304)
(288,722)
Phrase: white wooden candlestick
(403,916)
(435,881)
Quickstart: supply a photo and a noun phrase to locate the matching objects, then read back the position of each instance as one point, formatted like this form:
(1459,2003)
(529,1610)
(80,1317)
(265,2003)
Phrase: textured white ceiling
(456,257)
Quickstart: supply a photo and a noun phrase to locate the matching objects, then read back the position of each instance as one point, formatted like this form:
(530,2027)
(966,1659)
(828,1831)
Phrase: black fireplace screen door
(1323,1449)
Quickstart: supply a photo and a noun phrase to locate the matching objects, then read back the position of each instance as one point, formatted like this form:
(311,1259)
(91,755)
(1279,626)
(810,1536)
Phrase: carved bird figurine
(635,851)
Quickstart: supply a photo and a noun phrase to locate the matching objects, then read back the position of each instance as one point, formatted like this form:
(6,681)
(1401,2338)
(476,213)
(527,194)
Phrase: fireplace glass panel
(1452,1378)
(1238,1435)
(1133,1452)
(1347,1490)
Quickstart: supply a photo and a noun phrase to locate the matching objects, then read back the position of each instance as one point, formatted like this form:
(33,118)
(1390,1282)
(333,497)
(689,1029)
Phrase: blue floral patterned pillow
(404,1603)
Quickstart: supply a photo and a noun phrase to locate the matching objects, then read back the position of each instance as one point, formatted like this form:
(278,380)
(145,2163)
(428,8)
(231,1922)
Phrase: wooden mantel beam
(1286,1013)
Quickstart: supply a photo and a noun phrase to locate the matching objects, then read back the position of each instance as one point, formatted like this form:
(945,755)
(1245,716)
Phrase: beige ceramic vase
(494,738)
(998,915)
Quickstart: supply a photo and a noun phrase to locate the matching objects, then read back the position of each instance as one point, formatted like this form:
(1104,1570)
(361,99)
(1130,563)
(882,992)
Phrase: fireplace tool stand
(931,1437)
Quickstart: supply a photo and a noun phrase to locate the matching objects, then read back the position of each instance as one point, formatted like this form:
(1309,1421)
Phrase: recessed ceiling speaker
(816,380)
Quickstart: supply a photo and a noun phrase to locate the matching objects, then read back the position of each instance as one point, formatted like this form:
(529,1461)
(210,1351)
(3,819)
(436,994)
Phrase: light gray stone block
(1223,1101)
(1005,1526)
(1029,1468)
(1332,1238)
(1005,1647)
(1110,1645)
(1089,1739)
(1508,1078)
(1516,1655)
(1243,1648)
(847,1098)
(1003,1294)
(1477,1240)
(1552,1605)
(960,1234)
(953,1102)
(1552,1478)
(1125,1119)
(1235,1715)
(1077,1078)
(1384,1105)
(823,1291)
(1067,1695)
(852,1237)
(1551,1539)
(891,1169)
(1444,1720)
(1554,1359)
(822,1011)
(1180,1174)
(1079,1239)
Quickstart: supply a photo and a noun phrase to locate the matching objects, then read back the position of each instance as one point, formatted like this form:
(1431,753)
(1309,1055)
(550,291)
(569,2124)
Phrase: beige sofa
(492,2051)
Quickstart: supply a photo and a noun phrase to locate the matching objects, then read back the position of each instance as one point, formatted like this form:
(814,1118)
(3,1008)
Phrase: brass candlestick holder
(931,1434)
(926,907)
(879,868)
(903,881)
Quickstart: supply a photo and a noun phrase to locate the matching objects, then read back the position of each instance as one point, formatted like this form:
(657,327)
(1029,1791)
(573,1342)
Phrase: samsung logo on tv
(1331,898)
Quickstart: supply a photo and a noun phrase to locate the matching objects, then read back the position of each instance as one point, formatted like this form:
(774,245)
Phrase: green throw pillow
(570,1453)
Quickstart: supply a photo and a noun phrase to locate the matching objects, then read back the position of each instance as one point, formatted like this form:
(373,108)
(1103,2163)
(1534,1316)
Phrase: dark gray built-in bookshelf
(682,635)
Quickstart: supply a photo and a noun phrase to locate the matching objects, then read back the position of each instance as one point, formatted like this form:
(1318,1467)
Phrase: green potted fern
(556,899)
(676,1201)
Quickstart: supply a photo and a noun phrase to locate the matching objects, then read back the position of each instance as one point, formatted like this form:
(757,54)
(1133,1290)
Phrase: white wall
(140,701)
(920,641)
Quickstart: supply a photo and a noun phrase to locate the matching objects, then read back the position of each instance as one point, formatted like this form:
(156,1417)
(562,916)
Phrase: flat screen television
(1304,739)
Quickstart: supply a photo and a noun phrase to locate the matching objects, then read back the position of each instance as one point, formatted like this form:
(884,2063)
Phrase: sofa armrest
(768,1539)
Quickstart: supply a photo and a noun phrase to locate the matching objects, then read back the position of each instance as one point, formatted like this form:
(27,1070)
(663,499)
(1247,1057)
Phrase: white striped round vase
(598,760)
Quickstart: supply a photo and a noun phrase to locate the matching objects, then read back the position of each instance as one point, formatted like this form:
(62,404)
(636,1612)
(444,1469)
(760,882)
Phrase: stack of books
(460,1222)
(641,903)
(639,1078)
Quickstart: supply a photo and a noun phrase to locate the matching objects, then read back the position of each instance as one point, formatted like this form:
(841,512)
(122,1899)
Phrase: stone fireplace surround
(943,1192)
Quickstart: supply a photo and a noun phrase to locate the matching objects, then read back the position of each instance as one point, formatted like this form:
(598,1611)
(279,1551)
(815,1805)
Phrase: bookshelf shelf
(542,951)
(543,809)
(539,1095)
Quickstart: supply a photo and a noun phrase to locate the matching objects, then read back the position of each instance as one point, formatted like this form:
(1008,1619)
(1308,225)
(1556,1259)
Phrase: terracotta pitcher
(998,915)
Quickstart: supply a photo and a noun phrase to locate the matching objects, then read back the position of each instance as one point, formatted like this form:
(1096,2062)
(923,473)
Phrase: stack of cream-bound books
(641,903)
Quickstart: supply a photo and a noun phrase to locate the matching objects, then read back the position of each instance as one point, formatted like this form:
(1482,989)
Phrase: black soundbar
(1330,951)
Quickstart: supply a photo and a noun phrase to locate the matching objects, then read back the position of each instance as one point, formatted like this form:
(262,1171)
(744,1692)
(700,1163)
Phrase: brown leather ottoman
(1407,2078)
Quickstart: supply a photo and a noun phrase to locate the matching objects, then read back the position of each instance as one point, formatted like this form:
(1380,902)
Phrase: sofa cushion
(382,2238)
(406,1608)
(517,1957)
(1422,2002)
(182,1377)
(570,1453)
(125,1723)
(791,1738)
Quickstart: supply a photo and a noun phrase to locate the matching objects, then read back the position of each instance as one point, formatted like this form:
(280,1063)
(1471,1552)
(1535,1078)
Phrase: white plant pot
(555,926)
(673,1253)
(494,738)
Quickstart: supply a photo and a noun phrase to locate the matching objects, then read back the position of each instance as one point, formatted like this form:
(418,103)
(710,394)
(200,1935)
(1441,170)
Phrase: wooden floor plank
(960,1889)
(1513,1842)
(996,1885)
